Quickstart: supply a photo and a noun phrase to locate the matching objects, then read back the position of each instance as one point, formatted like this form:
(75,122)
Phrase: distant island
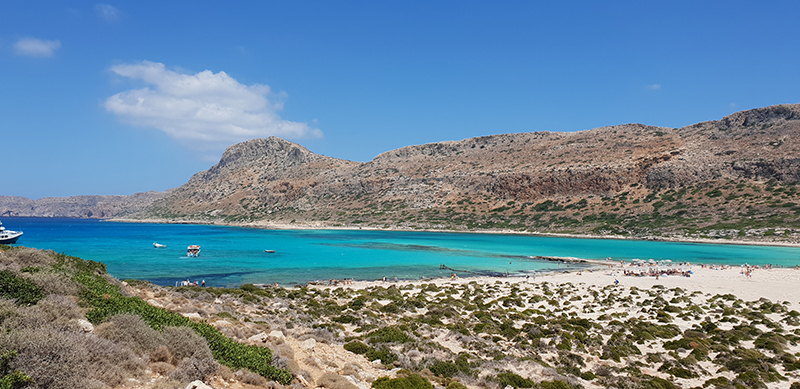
(732,179)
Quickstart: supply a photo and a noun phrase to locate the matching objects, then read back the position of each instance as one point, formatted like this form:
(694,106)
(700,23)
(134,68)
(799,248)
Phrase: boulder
(191,315)
(260,337)
(198,385)
(308,344)
(276,334)
(86,326)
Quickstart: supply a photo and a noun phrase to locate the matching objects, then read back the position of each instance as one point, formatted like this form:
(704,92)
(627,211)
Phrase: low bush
(334,381)
(357,347)
(106,300)
(191,369)
(388,335)
(385,355)
(515,380)
(22,290)
(449,369)
(413,381)
(11,379)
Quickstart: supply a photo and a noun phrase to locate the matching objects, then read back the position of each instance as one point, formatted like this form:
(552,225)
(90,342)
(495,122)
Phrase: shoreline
(322,226)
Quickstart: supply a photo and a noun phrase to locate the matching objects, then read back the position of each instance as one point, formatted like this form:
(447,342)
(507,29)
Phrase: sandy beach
(775,284)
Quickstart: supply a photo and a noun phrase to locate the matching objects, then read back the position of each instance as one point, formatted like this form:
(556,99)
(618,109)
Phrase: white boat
(269,251)
(159,245)
(193,251)
(8,236)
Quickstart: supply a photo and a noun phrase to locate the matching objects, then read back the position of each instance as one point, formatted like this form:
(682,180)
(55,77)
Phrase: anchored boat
(193,251)
(8,236)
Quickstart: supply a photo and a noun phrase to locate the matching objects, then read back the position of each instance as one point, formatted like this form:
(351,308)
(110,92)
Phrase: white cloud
(654,87)
(107,12)
(206,110)
(33,47)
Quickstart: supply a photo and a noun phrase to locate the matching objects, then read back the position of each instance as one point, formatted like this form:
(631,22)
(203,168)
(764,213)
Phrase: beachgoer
(616,282)
(204,283)
(395,279)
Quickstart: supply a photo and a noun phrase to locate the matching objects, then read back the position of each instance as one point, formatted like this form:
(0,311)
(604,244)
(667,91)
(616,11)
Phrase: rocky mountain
(733,177)
(77,206)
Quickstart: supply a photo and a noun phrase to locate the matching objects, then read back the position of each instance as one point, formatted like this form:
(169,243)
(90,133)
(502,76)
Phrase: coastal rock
(192,315)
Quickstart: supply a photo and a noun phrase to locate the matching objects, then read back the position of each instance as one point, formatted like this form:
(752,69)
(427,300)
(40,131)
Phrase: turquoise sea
(232,256)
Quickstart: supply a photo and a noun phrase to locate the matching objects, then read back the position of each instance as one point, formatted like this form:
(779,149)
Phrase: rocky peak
(776,113)
(272,148)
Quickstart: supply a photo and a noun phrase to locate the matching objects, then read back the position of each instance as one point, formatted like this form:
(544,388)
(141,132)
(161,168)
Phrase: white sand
(782,284)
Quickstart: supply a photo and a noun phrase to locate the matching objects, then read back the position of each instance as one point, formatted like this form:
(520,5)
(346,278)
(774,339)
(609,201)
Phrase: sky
(123,97)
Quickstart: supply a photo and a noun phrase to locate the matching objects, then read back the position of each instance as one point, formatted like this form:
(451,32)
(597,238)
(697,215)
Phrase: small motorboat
(8,236)
(159,245)
(269,251)
(193,251)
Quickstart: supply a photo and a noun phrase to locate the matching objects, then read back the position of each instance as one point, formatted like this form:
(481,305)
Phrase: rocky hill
(729,178)
(77,206)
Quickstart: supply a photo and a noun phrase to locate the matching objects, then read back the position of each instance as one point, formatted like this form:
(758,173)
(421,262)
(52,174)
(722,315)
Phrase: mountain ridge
(630,179)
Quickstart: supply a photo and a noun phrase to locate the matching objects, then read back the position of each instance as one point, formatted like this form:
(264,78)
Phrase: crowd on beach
(195,283)
(654,272)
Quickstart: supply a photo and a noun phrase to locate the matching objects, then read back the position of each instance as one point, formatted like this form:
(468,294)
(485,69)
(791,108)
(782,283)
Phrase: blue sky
(125,97)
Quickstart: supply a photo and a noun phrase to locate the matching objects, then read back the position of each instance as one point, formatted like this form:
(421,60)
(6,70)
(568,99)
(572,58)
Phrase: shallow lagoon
(233,255)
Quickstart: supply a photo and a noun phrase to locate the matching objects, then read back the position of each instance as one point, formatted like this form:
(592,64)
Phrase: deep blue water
(232,255)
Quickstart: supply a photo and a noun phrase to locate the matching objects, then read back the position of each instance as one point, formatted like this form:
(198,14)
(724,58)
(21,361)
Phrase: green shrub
(517,381)
(388,335)
(413,381)
(348,319)
(385,355)
(22,290)
(11,379)
(448,369)
(357,347)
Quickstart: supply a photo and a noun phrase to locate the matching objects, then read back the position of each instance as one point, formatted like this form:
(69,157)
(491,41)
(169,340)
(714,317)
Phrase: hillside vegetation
(67,324)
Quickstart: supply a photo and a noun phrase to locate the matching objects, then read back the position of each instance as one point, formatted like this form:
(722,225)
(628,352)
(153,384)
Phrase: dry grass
(131,331)
(22,257)
(53,283)
(248,377)
(190,369)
